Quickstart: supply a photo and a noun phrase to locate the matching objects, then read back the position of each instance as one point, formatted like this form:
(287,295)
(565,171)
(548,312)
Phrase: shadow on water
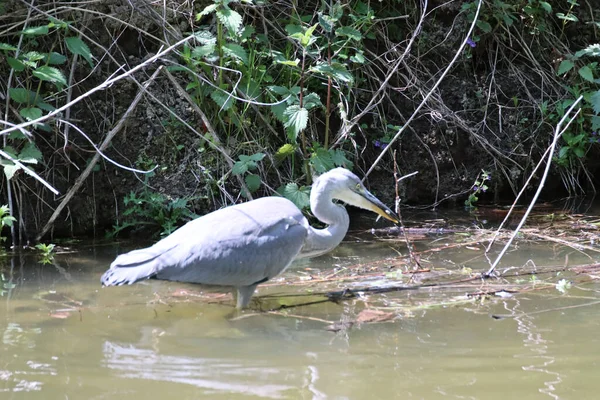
(65,337)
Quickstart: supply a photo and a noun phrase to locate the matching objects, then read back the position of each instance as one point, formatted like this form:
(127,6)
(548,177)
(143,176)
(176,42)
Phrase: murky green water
(63,337)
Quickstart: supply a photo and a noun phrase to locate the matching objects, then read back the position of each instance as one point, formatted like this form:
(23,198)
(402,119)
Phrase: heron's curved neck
(320,241)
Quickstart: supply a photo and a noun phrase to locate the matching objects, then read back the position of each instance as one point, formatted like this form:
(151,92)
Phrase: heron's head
(344,185)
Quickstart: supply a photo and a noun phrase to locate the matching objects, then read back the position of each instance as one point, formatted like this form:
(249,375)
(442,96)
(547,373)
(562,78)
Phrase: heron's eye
(358,188)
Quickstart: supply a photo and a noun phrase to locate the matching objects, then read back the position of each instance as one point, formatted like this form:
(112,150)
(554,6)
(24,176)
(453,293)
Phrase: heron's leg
(244,294)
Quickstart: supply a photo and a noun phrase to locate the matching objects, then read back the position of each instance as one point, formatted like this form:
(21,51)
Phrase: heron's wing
(236,246)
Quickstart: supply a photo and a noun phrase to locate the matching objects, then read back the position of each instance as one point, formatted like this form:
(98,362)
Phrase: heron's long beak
(375,205)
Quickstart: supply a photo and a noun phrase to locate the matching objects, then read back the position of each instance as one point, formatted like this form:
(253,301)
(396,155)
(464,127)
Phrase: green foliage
(46,252)
(479,186)
(582,134)
(29,154)
(154,211)
(563,286)
(245,167)
(575,146)
(299,195)
(290,76)
(323,160)
(580,71)
(5,220)
(41,80)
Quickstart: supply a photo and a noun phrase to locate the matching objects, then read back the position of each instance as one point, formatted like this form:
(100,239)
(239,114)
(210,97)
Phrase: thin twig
(79,181)
(557,132)
(433,89)
(216,142)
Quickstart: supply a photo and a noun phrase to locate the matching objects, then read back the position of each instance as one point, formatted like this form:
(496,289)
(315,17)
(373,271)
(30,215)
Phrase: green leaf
(337,12)
(308,36)
(9,169)
(508,19)
(31,113)
(586,73)
(595,123)
(239,168)
(10,151)
(336,71)
(563,152)
(8,221)
(546,6)
(321,160)
(291,63)
(7,47)
(595,100)
(358,58)
(292,29)
(579,152)
(285,151)
(297,195)
(36,31)
(257,156)
(236,51)
(16,135)
(21,96)
(30,154)
(204,51)
(45,106)
(78,46)
(207,10)
(50,74)
(592,50)
(253,182)
(55,58)
(349,32)
(247,32)
(34,56)
(280,90)
(484,26)
(339,159)
(565,66)
(568,17)
(205,37)
(223,99)
(297,118)
(15,64)
(312,100)
(326,22)
(231,20)
(278,111)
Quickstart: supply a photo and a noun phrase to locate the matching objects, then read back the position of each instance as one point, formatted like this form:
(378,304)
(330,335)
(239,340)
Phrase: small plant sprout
(46,252)
(563,285)
(5,220)
(478,186)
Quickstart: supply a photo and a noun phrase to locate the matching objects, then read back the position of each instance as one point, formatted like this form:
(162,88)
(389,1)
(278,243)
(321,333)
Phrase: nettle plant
(335,43)
(237,62)
(39,79)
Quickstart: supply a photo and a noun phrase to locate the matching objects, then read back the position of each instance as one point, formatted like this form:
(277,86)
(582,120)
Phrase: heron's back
(235,246)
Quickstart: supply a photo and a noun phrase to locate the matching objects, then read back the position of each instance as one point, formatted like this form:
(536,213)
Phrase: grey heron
(249,243)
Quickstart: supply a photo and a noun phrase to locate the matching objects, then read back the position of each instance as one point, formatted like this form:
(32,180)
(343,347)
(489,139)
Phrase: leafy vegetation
(258,99)
(5,220)
(479,186)
(154,212)
(46,252)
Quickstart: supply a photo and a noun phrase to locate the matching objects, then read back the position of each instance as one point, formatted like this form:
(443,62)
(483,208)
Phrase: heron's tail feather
(134,266)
